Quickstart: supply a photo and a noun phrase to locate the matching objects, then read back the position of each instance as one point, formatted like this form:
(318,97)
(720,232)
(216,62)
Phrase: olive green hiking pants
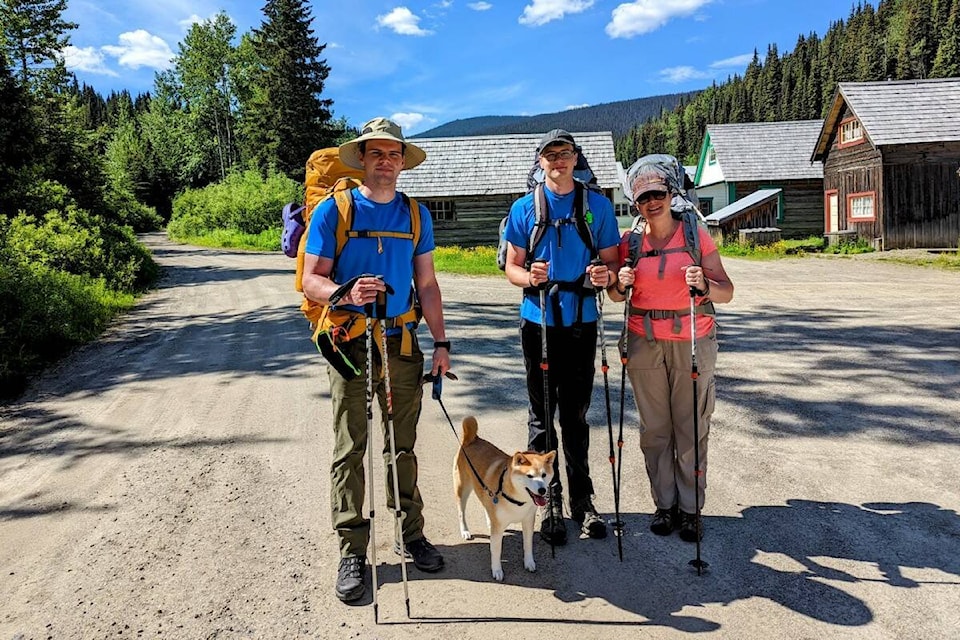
(347,475)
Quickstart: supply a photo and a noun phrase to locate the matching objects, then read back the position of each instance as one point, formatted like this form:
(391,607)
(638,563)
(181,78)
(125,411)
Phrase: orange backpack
(328,177)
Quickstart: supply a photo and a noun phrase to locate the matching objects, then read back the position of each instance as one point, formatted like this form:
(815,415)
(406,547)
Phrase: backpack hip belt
(344,326)
(706,309)
(578,286)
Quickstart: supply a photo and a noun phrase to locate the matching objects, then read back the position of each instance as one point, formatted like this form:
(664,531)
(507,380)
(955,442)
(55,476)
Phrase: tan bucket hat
(381,129)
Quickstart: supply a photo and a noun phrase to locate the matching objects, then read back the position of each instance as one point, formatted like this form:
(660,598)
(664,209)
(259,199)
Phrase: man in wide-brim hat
(383,241)
(351,153)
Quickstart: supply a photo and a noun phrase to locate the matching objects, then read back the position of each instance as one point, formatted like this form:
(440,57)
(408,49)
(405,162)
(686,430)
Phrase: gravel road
(171,480)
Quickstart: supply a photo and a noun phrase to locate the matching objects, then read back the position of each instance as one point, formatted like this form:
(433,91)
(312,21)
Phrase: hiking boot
(664,521)
(552,528)
(689,528)
(350,585)
(591,524)
(424,555)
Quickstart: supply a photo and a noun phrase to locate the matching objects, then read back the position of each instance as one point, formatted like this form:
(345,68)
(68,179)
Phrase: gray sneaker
(591,524)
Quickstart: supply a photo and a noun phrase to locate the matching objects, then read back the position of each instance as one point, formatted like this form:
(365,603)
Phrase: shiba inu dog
(510,488)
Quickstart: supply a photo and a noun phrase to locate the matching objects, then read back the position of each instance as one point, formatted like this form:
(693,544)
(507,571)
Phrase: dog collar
(501,493)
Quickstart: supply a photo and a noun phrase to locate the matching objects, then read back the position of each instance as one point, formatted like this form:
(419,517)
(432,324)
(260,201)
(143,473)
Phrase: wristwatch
(442,343)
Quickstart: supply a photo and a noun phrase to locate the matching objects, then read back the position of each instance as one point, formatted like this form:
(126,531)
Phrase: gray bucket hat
(381,129)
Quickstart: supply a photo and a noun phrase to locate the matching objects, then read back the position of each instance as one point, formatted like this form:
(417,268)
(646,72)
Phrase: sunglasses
(650,195)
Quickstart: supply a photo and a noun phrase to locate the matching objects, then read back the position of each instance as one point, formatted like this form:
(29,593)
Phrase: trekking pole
(373,528)
(605,367)
(547,413)
(624,333)
(694,374)
(397,512)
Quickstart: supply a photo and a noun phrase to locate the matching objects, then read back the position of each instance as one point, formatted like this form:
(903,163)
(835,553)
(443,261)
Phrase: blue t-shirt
(567,254)
(391,258)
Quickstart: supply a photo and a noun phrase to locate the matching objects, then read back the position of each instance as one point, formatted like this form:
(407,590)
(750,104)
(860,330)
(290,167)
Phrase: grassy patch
(477,261)
(268,240)
(949,261)
(775,251)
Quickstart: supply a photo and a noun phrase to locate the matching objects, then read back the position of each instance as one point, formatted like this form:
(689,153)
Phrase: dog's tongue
(540,501)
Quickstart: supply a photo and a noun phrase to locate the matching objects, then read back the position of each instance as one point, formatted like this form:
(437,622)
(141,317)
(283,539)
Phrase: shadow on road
(798,555)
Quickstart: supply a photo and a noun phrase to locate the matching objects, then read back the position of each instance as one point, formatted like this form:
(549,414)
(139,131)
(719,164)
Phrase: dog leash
(437,388)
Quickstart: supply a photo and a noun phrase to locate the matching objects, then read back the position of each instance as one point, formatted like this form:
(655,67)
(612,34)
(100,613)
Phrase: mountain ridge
(617,117)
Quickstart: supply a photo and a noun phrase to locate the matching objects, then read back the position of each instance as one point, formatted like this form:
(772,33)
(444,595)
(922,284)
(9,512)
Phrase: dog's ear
(550,458)
(520,460)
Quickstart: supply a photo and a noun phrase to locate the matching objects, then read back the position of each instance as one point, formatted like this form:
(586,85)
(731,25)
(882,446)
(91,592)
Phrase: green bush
(82,244)
(860,245)
(62,278)
(245,202)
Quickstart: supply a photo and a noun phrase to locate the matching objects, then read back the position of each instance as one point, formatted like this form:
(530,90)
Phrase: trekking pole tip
(700,565)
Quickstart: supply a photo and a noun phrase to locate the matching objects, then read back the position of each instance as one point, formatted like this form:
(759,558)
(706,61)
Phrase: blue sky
(428,62)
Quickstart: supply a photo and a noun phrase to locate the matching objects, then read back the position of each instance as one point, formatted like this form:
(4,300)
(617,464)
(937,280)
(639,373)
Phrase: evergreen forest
(893,40)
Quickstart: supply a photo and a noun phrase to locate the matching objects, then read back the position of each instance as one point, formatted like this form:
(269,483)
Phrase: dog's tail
(469,428)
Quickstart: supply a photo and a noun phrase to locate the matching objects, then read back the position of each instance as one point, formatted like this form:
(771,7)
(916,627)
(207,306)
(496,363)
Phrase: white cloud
(735,61)
(186,23)
(140,49)
(408,121)
(643,16)
(480,6)
(543,11)
(576,106)
(87,59)
(401,20)
(682,74)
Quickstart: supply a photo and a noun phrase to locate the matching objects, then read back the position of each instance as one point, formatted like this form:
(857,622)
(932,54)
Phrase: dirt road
(171,480)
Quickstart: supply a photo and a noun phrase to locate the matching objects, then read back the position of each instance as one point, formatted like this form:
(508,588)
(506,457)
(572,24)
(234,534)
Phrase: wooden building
(469,182)
(737,160)
(749,220)
(890,152)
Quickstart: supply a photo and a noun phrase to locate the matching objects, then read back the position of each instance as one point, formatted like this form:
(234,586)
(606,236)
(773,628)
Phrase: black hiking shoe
(664,521)
(552,528)
(591,524)
(350,585)
(424,555)
(689,528)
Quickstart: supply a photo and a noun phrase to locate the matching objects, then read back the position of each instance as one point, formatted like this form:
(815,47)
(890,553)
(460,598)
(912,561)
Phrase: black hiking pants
(570,353)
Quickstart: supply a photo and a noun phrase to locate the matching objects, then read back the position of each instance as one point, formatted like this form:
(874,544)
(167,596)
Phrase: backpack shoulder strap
(344,200)
(582,216)
(415,222)
(541,215)
(635,240)
(691,236)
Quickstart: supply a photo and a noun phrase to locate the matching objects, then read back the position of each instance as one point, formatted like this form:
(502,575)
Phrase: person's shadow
(781,553)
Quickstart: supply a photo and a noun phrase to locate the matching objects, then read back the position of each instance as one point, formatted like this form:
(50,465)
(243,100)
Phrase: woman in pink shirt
(658,344)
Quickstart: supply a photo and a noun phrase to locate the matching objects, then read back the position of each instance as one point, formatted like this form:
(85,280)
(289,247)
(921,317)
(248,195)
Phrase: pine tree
(947,62)
(17,133)
(285,118)
(34,34)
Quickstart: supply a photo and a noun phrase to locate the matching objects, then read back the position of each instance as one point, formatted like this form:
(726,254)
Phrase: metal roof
(495,165)
(897,112)
(741,205)
(763,151)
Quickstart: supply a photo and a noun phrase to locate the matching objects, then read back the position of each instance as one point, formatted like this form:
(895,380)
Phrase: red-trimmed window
(862,207)
(851,133)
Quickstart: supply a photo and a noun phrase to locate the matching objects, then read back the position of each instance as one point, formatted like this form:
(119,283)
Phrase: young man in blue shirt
(388,251)
(563,258)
